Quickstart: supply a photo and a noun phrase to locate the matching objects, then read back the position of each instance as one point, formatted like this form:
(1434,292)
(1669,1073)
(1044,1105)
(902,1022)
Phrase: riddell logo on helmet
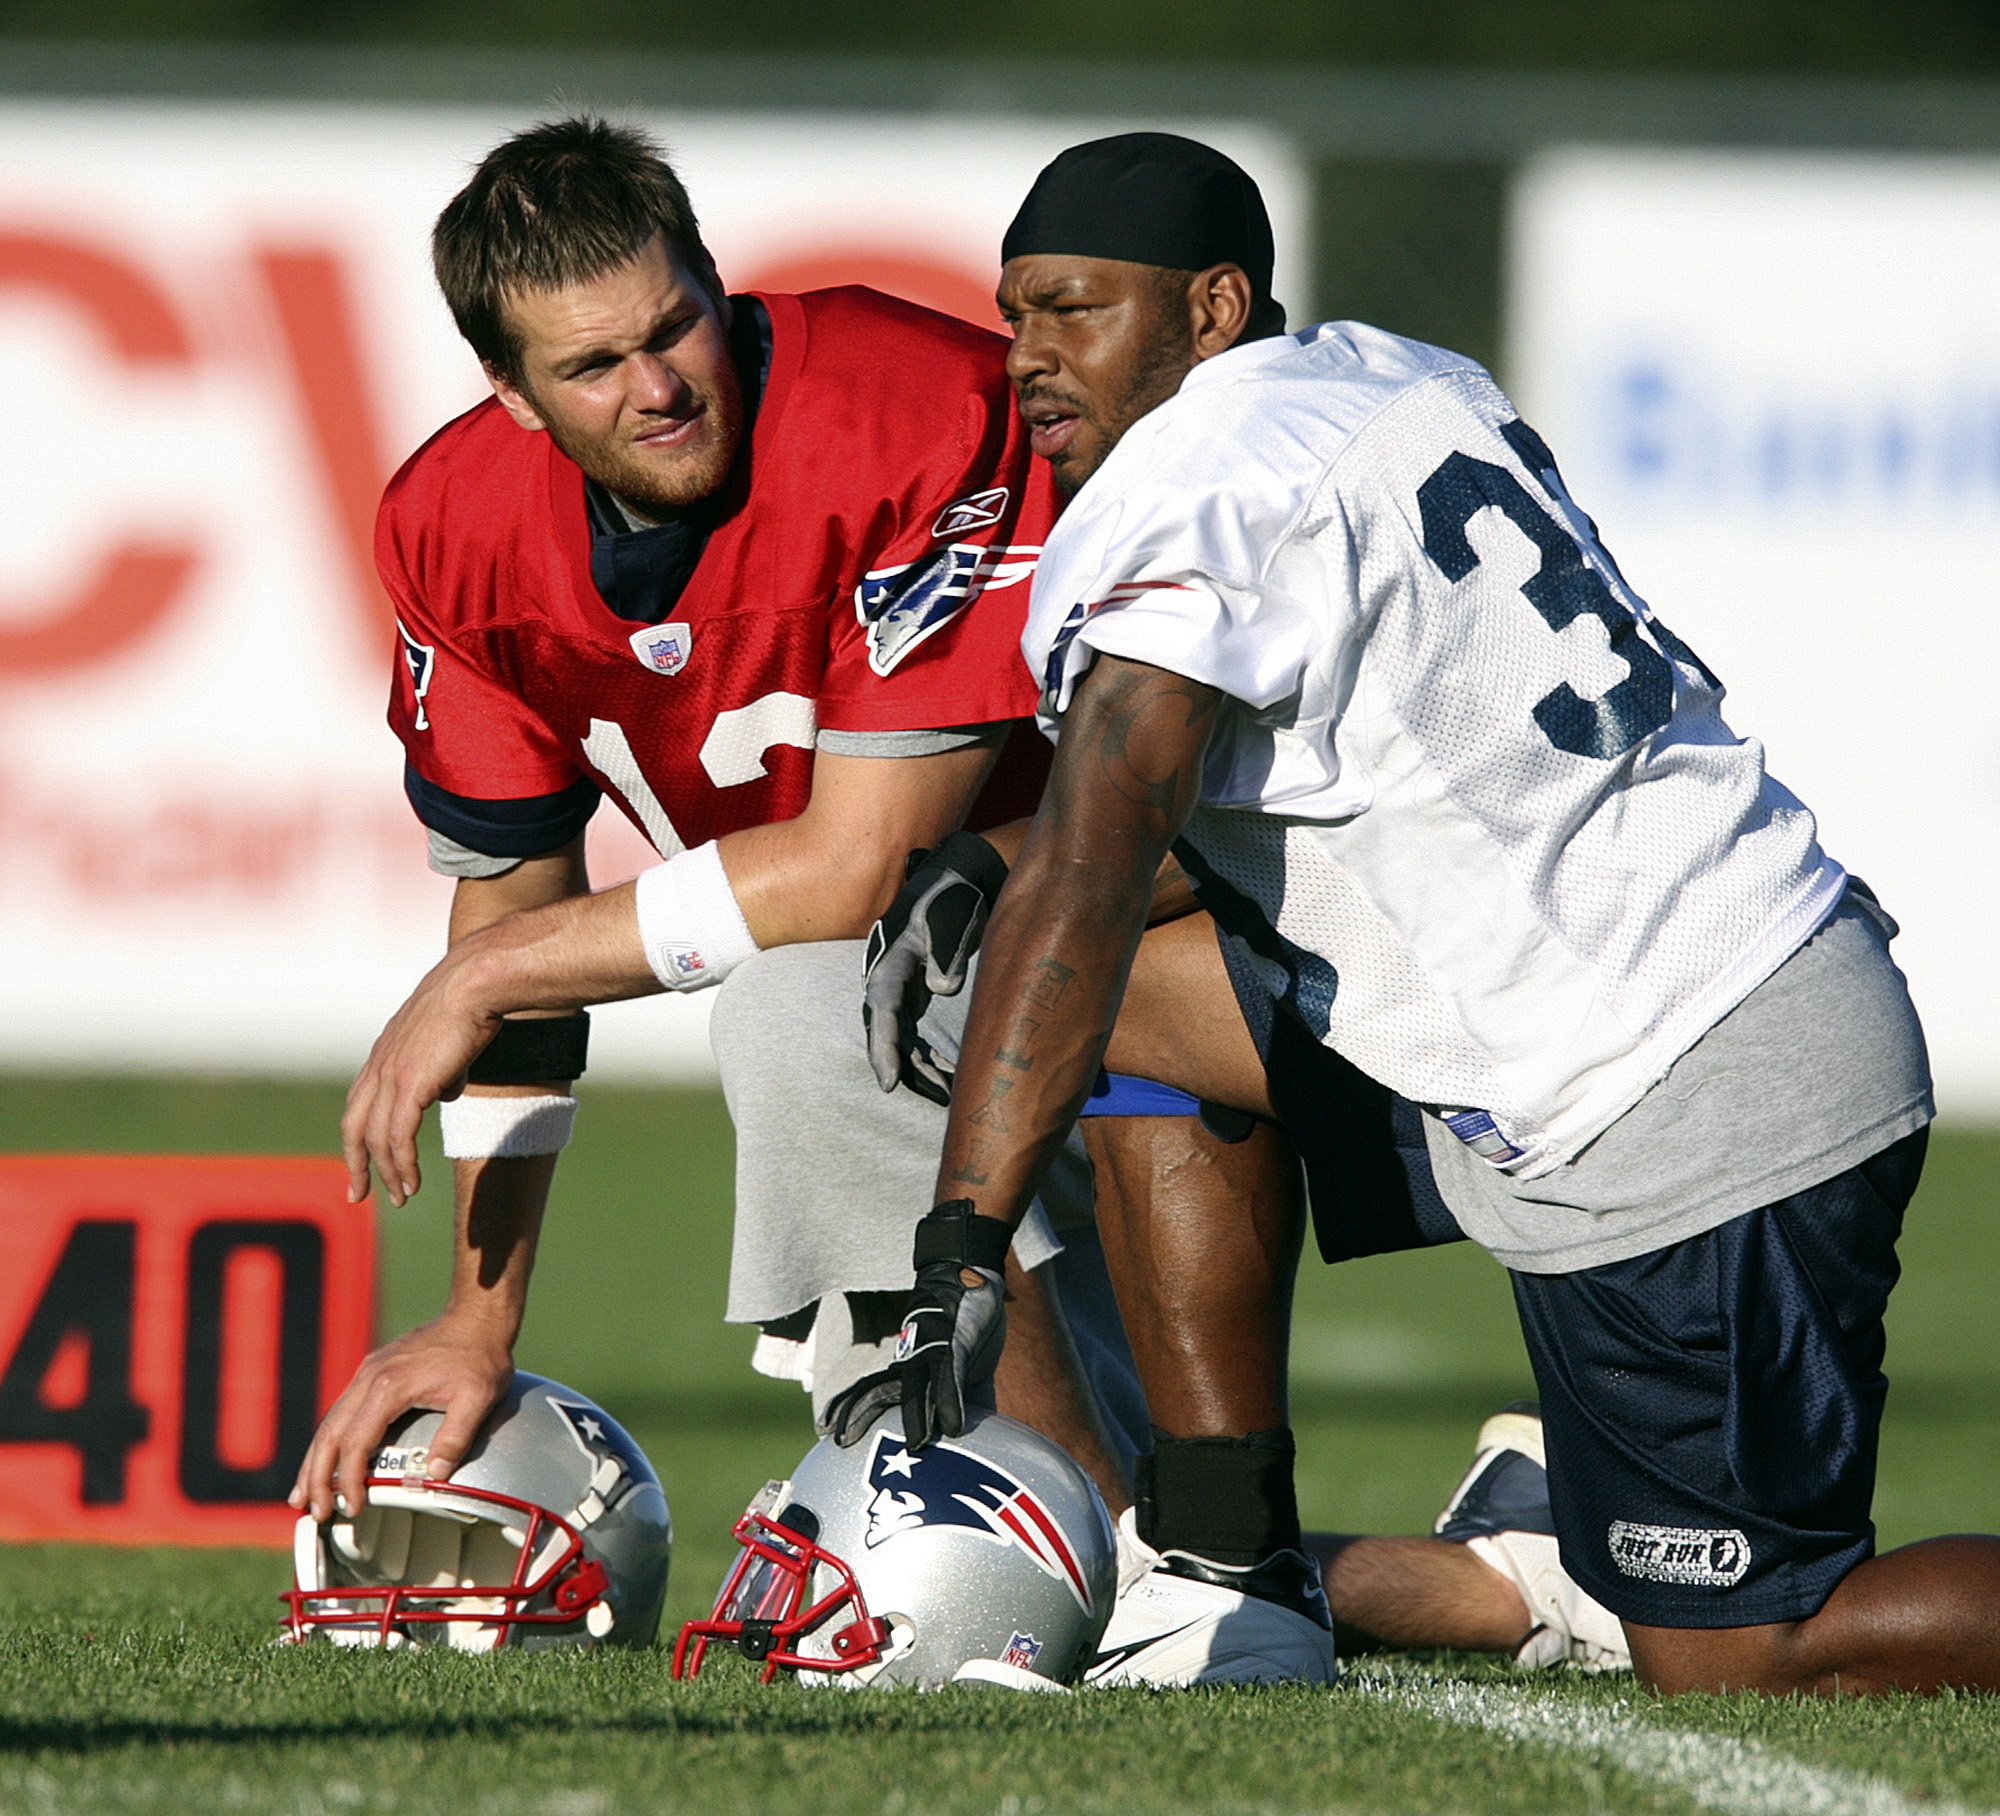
(401,1460)
(942,1485)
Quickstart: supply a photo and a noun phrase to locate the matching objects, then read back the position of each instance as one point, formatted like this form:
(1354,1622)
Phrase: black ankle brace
(1230,1500)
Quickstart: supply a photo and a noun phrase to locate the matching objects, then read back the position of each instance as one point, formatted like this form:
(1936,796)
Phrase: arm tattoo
(1119,705)
(1045,992)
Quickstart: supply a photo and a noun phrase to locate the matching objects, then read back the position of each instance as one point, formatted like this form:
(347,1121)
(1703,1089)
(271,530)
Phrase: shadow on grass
(84,1736)
(785,1717)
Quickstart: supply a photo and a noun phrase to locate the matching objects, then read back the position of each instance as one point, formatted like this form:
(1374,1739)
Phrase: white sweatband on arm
(694,932)
(505,1128)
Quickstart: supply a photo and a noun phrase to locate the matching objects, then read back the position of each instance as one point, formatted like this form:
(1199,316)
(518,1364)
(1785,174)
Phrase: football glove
(951,1339)
(921,948)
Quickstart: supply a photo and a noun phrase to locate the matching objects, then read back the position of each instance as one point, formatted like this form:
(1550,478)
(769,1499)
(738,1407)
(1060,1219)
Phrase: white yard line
(1718,1772)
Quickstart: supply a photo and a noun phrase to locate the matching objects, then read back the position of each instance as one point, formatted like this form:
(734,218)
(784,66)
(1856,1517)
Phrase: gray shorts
(832,1175)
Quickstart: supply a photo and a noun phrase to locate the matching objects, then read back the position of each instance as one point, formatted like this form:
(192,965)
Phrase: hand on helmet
(951,1339)
(921,948)
(443,1366)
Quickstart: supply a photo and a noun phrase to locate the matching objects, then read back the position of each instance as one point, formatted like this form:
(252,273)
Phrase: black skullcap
(1153,198)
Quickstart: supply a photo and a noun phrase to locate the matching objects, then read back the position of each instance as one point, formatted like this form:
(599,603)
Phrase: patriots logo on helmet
(902,606)
(596,1436)
(586,1423)
(943,1485)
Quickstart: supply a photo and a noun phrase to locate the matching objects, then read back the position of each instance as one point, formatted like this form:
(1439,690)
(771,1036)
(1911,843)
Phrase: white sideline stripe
(1714,1770)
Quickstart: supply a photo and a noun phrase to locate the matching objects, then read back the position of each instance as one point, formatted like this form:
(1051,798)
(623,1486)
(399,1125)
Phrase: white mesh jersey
(1472,813)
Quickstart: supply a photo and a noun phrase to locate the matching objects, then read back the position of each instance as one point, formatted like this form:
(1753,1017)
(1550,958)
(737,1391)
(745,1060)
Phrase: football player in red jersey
(719,557)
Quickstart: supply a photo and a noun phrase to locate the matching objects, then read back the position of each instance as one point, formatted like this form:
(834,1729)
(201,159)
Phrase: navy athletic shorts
(1368,1171)
(1711,1409)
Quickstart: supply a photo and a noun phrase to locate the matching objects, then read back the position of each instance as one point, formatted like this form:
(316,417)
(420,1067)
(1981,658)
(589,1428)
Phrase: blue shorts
(1711,1409)
(1368,1170)
(1120,1094)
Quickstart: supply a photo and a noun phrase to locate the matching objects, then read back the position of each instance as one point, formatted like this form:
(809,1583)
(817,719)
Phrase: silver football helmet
(985,1556)
(554,1531)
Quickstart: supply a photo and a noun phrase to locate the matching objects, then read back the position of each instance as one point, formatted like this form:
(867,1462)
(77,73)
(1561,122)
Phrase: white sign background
(218,336)
(1775,383)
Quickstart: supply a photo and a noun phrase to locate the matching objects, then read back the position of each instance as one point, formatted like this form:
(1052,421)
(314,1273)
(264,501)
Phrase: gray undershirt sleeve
(928,743)
(450,858)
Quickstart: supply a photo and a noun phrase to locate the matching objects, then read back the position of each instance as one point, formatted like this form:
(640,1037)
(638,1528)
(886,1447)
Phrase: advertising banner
(171,1330)
(1774,382)
(218,338)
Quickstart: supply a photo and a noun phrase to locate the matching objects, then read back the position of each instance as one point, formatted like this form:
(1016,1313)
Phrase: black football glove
(921,948)
(950,1341)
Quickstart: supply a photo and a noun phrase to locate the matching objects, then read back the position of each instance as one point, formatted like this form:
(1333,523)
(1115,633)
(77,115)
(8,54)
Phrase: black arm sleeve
(523,828)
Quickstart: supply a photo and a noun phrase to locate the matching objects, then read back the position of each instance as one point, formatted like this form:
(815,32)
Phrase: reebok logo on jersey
(1698,1557)
(942,1485)
(904,605)
(664,648)
(966,514)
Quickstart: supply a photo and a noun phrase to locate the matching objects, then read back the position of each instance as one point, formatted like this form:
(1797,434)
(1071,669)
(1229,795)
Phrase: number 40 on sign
(172,1330)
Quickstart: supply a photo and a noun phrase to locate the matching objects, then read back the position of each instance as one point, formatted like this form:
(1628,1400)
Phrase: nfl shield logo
(664,648)
(1022,1651)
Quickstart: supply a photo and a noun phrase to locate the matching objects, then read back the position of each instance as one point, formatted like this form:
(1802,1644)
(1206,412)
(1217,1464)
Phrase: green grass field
(145,1680)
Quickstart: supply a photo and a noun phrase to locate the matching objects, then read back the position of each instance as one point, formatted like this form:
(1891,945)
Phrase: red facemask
(567,1585)
(763,1609)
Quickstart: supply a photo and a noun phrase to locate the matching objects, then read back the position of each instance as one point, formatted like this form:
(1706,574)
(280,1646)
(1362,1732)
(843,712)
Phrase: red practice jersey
(871,575)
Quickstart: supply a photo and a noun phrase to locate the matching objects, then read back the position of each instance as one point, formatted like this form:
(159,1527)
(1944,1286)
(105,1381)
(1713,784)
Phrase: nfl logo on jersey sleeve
(664,648)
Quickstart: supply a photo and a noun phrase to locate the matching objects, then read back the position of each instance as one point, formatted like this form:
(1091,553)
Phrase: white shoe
(1172,1629)
(1500,1513)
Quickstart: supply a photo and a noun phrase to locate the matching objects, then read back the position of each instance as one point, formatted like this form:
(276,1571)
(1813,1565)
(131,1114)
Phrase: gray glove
(951,1339)
(921,948)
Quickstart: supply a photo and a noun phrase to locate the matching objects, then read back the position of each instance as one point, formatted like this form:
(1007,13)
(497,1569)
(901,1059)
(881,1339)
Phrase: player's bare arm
(461,1361)
(531,940)
(1064,933)
(823,875)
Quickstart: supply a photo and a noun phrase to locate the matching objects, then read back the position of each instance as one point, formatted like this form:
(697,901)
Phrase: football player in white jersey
(1322,621)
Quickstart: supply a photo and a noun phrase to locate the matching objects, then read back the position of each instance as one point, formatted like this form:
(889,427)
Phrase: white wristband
(694,932)
(505,1128)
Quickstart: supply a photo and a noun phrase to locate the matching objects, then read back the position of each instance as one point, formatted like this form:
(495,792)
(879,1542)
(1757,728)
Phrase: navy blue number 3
(1564,589)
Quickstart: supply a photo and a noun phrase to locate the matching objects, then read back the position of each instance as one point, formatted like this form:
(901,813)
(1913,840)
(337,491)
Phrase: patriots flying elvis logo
(421,660)
(586,1424)
(901,606)
(943,1485)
